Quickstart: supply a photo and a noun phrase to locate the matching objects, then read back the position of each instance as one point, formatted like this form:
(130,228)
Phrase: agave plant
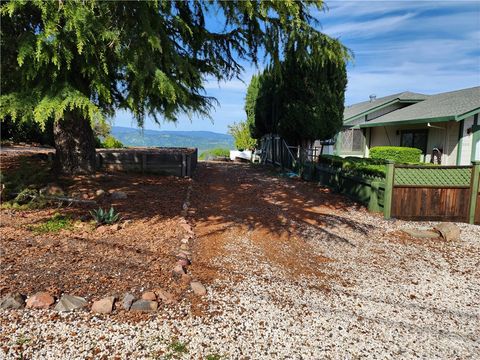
(105,217)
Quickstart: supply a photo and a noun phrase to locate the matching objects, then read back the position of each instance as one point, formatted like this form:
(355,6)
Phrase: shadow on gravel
(226,194)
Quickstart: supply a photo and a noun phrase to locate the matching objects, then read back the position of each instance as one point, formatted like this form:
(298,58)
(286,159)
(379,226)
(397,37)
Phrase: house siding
(442,135)
(466,139)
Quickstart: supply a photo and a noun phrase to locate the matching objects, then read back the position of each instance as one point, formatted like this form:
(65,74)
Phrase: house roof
(364,108)
(453,105)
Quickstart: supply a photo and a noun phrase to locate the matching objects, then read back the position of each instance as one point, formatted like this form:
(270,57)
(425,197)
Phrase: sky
(419,46)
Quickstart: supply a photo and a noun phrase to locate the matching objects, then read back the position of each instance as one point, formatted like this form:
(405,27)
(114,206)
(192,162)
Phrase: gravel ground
(378,294)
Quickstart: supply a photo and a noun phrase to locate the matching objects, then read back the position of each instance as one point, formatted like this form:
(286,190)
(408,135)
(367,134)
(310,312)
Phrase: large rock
(70,303)
(421,234)
(100,193)
(12,301)
(449,231)
(127,301)
(144,305)
(198,288)
(104,306)
(118,195)
(40,300)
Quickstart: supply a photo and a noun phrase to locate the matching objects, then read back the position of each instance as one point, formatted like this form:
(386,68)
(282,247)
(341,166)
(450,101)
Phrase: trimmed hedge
(356,165)
(401,155)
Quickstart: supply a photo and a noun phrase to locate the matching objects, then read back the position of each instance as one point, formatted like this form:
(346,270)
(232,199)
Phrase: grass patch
(55,224)
(213,357)
(215,153)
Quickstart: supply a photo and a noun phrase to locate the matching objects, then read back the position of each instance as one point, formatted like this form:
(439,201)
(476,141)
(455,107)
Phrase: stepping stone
(70,303)
(198,288)
(40,300)
(449,231)
(12,301)
(127,301)
(421,234)
(104,306)
(144,305)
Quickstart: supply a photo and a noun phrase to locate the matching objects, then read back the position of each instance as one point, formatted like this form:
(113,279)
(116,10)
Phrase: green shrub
(215,153)
(55,224)
(398,154)
(105,217)
(355,165)
(111,142)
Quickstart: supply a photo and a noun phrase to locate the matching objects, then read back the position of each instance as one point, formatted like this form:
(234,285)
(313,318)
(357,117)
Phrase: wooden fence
(164,161)
(444,193)
(425,193)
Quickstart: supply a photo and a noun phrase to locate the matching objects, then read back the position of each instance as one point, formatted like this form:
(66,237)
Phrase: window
(415,138)
(352,141)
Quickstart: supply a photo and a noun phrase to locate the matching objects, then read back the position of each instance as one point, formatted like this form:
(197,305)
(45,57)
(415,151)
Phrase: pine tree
(77,62)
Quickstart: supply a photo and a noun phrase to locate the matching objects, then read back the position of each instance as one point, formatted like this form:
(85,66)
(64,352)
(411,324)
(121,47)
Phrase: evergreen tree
(77,62)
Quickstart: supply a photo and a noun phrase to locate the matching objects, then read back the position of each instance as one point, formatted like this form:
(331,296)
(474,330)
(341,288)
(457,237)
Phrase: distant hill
(203,140)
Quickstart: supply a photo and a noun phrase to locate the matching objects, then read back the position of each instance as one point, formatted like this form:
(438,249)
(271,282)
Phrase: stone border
(149,299)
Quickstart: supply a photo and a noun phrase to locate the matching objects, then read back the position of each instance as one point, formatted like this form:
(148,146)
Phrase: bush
(401,155)
(355,165)
(111,142)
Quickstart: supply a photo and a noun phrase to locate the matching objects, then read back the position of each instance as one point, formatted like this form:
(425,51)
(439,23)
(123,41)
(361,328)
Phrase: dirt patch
(92,262)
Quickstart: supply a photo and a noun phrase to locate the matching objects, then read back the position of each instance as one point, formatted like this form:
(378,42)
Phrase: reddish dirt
(94,262)
(231,200)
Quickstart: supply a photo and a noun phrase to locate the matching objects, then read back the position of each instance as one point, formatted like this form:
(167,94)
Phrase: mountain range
(203,140)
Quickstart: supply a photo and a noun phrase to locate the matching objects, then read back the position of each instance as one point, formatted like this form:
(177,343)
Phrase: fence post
(474,191)
(373,202)
(387,202)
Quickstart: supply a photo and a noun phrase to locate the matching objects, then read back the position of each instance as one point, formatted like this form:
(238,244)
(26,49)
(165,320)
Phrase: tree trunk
(74,144)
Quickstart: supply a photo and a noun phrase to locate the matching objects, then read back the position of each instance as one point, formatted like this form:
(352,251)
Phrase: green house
(445,126)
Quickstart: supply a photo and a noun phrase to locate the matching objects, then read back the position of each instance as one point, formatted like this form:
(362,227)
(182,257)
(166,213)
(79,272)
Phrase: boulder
(144,305)
(127,301)
(149,295)
(118,195)
(449,231)
(104,306)
(12,301)
(198,288)
(100,193)
(70,303)
(40,300)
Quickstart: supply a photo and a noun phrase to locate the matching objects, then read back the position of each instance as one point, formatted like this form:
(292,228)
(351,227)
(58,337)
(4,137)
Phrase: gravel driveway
(292,272)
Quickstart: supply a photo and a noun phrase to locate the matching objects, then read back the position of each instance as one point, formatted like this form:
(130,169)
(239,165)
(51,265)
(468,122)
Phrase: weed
(176,349)
(22,340)
(105,217)
(213,357)
(55,224)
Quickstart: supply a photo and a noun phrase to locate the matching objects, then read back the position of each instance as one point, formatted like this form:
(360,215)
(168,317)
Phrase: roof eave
(388,103)
(409,122)
(467,114)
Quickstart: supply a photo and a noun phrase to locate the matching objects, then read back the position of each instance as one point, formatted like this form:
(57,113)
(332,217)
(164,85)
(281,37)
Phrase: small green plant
(55,224)
(105,217)
(213,357)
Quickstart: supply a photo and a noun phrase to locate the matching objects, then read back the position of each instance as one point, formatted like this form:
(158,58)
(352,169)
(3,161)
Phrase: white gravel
(396,300)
